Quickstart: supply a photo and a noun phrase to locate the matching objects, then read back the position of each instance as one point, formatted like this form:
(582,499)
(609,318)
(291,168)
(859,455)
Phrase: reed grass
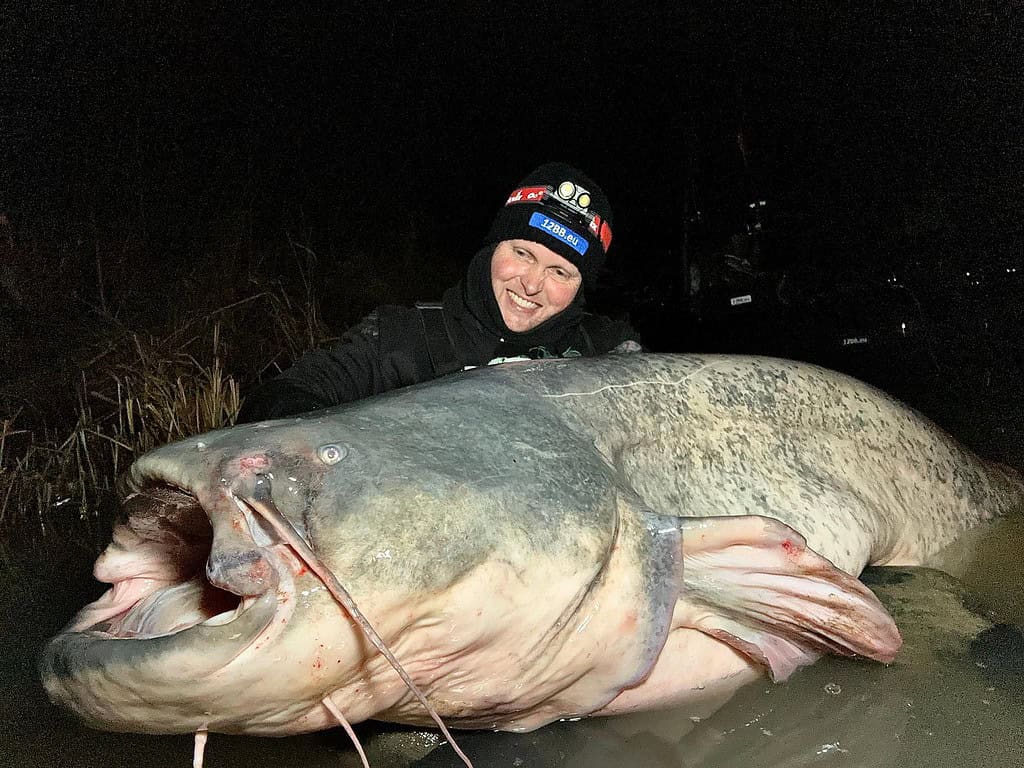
(141,390)
(110,346)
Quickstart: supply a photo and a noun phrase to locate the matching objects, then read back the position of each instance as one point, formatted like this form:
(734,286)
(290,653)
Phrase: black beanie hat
(560,207)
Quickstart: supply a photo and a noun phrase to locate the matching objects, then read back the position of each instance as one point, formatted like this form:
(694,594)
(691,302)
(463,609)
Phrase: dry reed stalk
(157,395)
(142,391)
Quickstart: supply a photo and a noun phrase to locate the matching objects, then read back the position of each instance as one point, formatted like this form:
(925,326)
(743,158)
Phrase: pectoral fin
(753,583)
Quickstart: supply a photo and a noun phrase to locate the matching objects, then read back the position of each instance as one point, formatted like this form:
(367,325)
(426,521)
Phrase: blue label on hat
(561,232)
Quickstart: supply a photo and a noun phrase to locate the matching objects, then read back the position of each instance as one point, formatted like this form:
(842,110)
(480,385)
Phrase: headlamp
(577,197)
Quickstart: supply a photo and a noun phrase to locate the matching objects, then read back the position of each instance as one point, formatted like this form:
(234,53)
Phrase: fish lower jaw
(173,609)
(141,609)
(180,672)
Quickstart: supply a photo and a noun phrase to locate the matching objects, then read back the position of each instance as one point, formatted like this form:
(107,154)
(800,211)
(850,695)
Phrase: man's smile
(521,301)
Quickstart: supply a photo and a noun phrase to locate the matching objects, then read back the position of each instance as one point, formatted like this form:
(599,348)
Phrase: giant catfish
(532,541)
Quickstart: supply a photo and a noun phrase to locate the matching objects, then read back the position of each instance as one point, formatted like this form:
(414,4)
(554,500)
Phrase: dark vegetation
(105,354)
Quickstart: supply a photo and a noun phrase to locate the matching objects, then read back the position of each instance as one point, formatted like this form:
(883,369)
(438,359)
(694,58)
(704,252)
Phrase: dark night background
(168,166)
(158,151)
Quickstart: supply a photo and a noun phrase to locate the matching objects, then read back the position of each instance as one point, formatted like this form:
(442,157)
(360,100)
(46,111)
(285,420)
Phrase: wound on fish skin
(254,462)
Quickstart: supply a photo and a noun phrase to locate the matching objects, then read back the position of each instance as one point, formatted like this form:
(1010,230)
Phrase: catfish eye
(332,454)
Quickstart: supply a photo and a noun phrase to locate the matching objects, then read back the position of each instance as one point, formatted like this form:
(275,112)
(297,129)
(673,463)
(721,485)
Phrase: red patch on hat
(527,195)
(606,236)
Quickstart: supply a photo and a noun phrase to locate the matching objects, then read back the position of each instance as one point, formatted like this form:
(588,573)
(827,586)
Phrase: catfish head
(222,612)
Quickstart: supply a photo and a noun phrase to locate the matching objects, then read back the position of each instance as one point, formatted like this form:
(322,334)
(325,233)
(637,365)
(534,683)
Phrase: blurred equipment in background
(747,278)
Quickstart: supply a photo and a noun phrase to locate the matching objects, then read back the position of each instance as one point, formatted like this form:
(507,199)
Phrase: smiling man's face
(531,283)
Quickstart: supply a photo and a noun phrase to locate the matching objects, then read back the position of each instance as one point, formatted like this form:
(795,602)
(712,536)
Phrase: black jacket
(398,346)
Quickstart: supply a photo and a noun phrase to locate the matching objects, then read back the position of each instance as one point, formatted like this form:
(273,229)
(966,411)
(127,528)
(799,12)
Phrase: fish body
(533,541)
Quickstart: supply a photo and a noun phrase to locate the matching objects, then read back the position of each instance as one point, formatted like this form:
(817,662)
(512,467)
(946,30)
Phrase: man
(523,296)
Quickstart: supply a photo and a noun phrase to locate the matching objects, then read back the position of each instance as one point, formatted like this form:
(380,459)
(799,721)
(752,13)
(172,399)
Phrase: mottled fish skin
(866,479)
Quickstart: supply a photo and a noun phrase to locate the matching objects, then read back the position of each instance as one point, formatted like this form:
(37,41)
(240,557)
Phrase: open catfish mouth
(169,570)
(195,581)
